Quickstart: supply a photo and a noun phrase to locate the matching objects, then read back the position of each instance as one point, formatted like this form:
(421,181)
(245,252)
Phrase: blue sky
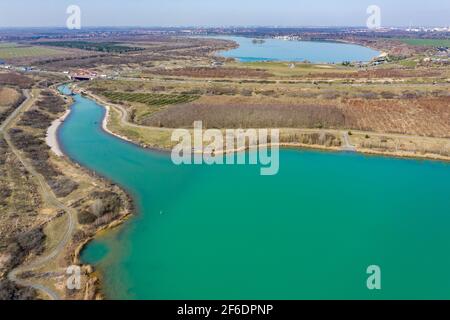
(14,13)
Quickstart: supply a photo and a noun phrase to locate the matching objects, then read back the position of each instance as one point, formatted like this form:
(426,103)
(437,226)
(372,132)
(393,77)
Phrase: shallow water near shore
(225,232)
(285,50)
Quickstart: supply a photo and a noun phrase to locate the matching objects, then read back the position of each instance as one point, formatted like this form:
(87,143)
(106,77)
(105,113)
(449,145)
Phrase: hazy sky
(14,13)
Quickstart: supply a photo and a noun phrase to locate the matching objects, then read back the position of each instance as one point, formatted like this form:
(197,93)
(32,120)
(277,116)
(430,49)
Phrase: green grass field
(427,42)
(93,46)
(13,50)
(151,99)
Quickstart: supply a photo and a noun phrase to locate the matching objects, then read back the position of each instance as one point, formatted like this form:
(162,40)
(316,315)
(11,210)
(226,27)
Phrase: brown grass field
(8,96)
(204,72)
(422,116)
(16,79)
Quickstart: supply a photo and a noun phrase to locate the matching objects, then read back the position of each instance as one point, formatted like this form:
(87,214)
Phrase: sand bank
(52,135)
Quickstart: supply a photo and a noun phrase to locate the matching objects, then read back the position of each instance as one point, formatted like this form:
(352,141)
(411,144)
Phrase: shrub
(85,217)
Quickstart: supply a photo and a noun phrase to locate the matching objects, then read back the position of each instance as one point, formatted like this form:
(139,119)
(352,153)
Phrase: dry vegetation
(16,79)
(29,138)
(422,116)
(10,99)
(412,109)
(379,73)
(152,50)
(205,72)
(8,96)
(21,233)
(249,116)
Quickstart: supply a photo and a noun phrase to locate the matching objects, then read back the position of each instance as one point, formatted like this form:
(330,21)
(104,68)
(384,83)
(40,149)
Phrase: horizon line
(224,26)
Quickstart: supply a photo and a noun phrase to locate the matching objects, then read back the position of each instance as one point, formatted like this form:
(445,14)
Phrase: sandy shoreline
(52,134)
(105,124)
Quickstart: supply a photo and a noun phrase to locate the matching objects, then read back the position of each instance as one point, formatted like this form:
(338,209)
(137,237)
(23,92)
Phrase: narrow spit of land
(48,196)
(60,214)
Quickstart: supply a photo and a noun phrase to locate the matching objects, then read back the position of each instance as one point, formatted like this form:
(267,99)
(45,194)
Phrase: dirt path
(49,198)
(347,146)
(16,112)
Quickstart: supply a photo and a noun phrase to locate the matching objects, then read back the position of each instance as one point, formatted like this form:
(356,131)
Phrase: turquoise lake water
(225,232)
(282,50)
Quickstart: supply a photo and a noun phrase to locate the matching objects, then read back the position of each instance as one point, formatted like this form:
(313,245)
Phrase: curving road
(18,110)
(48,197)
(124,116)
